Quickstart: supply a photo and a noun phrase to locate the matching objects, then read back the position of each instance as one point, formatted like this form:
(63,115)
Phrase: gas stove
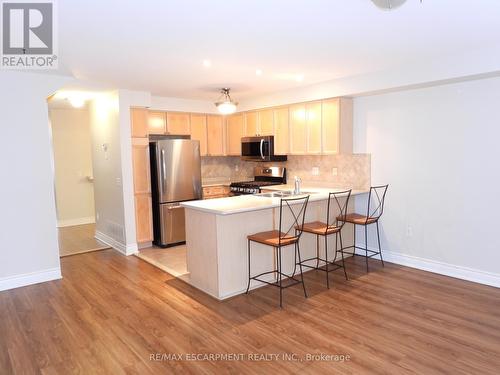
(263,176)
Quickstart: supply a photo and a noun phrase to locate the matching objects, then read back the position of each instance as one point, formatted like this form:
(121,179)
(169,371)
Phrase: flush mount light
(258,72)
(299,78)
(389,4)
(207,63)
(225,104)
(77,102)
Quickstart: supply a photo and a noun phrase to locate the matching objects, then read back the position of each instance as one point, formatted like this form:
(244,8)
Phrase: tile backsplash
(352,170)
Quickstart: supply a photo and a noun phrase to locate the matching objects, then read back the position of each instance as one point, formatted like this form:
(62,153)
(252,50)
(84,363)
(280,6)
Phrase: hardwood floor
(110,313)
(78,239)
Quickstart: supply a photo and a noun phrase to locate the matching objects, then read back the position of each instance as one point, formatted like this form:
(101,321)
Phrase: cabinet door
(313,118)
(266,122)
(143,218)
(298,129)
(156,122)
(199,131)
(215,135)
(140,166)
(178,123)
(235,130)
(251,124)
(139,122)
(330,127)
(281,133)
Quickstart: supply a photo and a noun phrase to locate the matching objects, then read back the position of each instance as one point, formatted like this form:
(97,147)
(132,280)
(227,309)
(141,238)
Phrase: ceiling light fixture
(77,102)
(389,4)
(207,63)
(299,78)
(258,72)
(225,104)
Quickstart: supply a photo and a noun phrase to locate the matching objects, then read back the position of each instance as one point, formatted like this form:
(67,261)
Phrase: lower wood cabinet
(143,218)
(219,191)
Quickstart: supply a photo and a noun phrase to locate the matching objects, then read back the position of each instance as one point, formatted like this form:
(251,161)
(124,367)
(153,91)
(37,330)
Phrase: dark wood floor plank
(110,313)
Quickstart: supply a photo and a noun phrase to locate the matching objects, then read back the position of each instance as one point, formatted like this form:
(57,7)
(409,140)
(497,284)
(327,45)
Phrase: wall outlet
(335,171)
(315,171)
(409,231)
(118,181)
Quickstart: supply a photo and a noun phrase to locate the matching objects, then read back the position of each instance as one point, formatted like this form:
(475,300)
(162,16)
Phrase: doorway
(74,190)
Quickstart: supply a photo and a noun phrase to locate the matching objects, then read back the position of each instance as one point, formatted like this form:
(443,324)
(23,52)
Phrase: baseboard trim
(127,250)
(452,270)
(73,222)
(26,279)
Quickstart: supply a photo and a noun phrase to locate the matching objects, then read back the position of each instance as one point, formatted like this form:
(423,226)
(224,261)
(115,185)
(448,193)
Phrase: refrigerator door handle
(163,170)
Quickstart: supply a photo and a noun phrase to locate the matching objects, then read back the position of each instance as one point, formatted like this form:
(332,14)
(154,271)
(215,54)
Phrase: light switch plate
(335,171)
(315,171)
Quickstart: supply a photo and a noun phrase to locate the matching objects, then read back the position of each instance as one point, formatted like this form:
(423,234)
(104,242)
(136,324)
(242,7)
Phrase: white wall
(73,164)
(106,158)
(29,250)
(163,103)
(438,149)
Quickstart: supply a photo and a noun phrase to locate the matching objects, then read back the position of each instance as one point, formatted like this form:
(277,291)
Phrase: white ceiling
(159,46)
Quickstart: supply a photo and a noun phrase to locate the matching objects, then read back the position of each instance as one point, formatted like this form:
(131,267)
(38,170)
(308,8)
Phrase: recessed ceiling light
(258,72)
(207,63)
(299,77)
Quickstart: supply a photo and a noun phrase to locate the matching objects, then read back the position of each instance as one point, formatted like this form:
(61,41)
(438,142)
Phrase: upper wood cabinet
(281,133)
(298,129)
(266,122)
(235,126)
(141,166)
(199,131)
(157,122)
(259,123)
(215,135)
(139,122)
(178,123)
(313,122)
(251,128)
(337,126)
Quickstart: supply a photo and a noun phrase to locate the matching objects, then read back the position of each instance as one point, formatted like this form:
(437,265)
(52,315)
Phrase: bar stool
(337,201)
(277,239)
(376,199)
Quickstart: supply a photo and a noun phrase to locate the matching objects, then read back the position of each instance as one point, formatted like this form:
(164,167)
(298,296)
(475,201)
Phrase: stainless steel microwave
(259,149)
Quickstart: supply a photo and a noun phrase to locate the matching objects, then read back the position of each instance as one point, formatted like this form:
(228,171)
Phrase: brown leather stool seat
(272,238)
(318,227)
(358,219)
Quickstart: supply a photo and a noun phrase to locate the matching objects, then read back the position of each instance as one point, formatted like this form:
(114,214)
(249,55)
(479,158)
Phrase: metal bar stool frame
(372,217)
(336,225)
(283,240)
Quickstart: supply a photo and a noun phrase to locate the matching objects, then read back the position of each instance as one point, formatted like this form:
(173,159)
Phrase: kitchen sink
(283,194)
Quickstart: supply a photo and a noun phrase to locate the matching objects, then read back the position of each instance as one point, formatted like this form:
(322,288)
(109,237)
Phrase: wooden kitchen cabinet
(143,218)
(235,126)
(218,191)
(259,123)
(313,122)
(337,126)
(215,135)
(251,119)
(281,131)
(156,122)
(139,122)
(199,131)
(178,123)
(141,166)
(298,129)
(266,122)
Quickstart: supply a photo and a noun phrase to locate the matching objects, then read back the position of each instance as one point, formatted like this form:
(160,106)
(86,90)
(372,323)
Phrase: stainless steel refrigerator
(176,177)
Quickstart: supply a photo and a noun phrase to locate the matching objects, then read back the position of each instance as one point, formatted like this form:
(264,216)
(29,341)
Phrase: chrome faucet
(298,181)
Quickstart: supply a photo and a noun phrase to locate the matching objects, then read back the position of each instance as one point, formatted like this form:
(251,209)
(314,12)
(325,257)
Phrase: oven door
(256,148)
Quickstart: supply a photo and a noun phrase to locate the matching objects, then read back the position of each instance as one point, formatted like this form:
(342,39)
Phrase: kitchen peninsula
(216,238)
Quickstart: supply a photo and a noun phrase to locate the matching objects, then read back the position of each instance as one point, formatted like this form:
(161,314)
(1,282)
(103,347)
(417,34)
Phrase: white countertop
(245,203)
